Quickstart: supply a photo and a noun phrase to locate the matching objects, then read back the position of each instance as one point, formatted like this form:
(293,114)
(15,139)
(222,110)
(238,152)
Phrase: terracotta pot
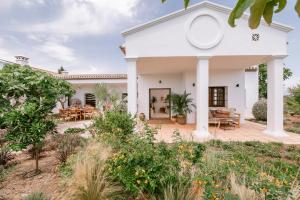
(181,119)
(142,117)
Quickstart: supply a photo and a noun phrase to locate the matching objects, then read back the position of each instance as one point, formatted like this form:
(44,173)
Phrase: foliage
(293,100)
(114,127)
(74,130)
(65,90)
(107,98)
(37,196)
(90,180)
(60,70)
(258,9)
(67,145)
(181,103)
(37,148)
(262,77)
(254,167)
(259,110)
(27,97)
(142,165)
(5,155)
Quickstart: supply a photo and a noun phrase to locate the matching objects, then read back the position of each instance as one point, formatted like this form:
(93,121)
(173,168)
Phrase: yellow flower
(138,182)
(264,190)
(146,181)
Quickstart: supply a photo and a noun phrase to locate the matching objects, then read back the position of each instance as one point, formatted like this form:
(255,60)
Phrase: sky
(84,36)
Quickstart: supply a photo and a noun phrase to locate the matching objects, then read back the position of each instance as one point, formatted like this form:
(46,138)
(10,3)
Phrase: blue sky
(84,35)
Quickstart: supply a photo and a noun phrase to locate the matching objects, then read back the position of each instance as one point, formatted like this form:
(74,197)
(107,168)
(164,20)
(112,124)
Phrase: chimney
(22,60)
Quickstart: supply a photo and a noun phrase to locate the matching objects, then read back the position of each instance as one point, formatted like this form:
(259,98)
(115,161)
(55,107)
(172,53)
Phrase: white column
(202,97)
(275,97)
(132,85)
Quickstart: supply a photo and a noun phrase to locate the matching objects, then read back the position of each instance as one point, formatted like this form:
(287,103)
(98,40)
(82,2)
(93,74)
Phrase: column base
(202,135)
(276,133)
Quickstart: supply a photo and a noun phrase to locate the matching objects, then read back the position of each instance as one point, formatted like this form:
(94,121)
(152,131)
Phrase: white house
(83,84)
(197,51)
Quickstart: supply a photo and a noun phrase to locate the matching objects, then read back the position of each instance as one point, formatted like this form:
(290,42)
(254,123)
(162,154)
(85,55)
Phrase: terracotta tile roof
(90,76)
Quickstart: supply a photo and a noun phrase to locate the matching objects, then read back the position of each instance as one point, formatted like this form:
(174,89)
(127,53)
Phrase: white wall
(145,82)
(235,95)
(251,86)
(180,82)
(82,89)
(169,38)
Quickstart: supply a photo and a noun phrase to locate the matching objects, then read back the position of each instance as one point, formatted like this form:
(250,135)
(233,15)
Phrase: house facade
(83,84)
(195,50)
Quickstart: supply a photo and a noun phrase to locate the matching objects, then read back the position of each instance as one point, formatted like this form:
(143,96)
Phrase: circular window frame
(190,38)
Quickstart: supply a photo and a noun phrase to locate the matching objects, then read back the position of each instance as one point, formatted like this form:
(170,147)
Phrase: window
(90,99)
(217,97)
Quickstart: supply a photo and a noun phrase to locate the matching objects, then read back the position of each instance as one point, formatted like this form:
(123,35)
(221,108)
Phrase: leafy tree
(258,9)
(27,97)
(61,69)
(262,77)
(293,100)
(65,90)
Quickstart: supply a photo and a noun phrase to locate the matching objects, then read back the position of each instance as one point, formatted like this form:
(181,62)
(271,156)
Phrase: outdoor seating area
(77,113)
(226,119)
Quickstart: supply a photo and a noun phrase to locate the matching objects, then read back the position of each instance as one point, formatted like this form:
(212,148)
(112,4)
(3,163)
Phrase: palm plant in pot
(181,105)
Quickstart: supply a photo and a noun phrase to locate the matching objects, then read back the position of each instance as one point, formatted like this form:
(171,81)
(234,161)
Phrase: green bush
(145,166)
(37,196)
(67,145)
(114,127)
(74,130)
(5,155)
(259,110)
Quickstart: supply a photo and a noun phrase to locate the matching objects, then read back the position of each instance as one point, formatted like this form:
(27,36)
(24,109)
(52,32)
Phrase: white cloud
(58,51)
(83,17)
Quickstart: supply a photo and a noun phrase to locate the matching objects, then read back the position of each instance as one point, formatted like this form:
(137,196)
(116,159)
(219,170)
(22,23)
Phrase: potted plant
(181,106)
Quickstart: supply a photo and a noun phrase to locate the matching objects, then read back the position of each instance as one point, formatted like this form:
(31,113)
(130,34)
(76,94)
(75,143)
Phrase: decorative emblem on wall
(204,30)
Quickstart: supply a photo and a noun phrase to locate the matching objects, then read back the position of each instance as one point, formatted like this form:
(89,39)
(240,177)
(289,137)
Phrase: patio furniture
(88,112)
(228,118)
(75,113)
(64,114)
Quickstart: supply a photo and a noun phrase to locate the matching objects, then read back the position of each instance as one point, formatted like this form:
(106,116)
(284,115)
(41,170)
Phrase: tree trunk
(37,156)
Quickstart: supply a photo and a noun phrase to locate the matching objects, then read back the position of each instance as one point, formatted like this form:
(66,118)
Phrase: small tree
(263,75)
(26,100)
(65,90)
(60,70)
(293,100)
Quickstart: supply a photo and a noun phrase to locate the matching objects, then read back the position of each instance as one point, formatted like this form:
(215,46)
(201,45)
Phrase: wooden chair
(88,112)
(74,114)
(63,114)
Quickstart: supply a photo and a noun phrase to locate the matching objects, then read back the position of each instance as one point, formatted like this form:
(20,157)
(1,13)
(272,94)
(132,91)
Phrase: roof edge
(208,4)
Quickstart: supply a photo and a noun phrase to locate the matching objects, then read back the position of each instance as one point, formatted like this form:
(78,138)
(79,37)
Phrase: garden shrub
(114,127)
(259,110)
(5,155)
(74,130)
(37,196)
(144,166)
(67,145)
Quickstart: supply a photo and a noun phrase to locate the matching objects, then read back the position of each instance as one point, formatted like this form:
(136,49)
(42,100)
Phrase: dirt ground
(16,187)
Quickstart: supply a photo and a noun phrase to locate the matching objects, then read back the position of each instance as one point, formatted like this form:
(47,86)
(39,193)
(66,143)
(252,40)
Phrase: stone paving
(249,131)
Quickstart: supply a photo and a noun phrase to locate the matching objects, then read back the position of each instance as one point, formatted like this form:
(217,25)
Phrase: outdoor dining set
(77,113)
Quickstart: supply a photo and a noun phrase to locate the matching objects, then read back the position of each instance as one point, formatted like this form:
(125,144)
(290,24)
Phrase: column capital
(131,58)
(204,57)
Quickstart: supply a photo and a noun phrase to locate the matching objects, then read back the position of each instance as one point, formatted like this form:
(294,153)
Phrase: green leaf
(297,7)
(238,11)
(268,12)
(257,11)
(186,3)
(281,6)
